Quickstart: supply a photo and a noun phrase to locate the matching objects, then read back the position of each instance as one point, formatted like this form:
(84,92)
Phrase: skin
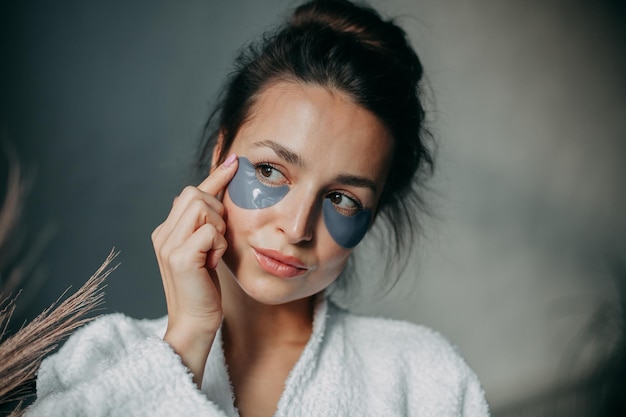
(208,250)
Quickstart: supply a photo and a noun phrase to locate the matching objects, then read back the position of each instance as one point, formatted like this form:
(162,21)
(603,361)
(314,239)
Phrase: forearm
(192,349)
(149,380)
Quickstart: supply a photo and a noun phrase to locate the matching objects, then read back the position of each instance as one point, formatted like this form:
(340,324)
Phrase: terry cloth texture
(352,366)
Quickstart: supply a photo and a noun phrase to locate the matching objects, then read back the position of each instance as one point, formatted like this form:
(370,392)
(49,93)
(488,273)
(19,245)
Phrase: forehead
(325,128)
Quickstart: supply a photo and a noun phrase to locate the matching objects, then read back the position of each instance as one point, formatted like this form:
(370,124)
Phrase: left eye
(269,175)
(344,204)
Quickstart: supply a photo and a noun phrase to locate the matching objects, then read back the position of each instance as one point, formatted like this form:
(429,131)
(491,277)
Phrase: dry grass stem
(22,353)
(11,206)
(9,219)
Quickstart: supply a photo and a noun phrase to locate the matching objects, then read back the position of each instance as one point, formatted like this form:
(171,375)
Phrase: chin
(272,298)
(262,287)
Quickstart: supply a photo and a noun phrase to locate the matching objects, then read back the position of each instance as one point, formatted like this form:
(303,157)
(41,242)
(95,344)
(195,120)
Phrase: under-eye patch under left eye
(247,192)
(347,231)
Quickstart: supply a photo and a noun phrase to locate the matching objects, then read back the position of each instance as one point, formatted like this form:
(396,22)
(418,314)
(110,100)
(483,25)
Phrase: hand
(188,246)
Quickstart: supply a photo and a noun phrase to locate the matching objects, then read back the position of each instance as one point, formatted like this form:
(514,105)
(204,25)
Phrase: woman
(319,133)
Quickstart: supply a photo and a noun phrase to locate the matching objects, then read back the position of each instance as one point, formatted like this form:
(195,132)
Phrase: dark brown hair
(348,48)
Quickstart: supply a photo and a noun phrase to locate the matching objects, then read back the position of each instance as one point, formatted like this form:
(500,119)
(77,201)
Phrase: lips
(279,264)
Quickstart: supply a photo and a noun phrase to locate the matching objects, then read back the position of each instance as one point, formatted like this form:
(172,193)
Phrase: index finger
(220,177)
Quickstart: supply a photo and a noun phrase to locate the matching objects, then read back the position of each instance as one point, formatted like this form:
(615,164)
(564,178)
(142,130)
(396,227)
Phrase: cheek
(239,222)
(240,226)
(333,258)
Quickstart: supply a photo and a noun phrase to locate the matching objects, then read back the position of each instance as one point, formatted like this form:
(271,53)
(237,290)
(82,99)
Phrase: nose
(298,216)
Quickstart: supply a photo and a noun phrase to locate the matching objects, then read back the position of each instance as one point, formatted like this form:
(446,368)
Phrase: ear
(217,150)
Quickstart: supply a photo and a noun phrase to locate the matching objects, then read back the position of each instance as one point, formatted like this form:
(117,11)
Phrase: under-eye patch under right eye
(247,192)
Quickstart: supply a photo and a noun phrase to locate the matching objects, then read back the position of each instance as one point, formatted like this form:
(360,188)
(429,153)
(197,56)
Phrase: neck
(251,326)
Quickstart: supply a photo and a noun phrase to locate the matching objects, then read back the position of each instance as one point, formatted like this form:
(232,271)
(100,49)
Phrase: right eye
(269,175)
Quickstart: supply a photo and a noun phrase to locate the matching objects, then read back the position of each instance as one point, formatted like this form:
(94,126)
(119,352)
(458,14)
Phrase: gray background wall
(104,102)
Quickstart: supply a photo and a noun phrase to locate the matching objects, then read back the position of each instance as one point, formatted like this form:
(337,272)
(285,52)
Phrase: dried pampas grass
(21,353)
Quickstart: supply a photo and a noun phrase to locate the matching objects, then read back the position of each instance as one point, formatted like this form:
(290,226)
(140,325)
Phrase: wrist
(193,349)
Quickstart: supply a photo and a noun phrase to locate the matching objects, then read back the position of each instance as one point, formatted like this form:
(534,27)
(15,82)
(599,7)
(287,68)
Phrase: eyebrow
(356,181)
(282,152)
(293,158)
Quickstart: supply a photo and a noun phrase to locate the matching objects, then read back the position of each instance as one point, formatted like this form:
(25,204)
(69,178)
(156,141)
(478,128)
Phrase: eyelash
(266,164)
(356,202)
(260,165)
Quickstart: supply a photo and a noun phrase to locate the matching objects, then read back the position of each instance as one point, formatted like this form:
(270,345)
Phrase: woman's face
(322,146)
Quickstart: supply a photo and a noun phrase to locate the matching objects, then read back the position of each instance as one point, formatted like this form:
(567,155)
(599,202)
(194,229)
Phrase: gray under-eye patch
(248,192)
(347,231)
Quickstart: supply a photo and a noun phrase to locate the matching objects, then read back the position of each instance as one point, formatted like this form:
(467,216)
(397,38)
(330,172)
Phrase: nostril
(301,227)
(299,216)
(299,234)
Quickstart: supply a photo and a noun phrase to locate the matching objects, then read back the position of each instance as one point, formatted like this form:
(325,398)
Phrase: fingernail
(230,160)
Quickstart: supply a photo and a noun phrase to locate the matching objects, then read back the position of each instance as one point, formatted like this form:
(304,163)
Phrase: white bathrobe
(352,366)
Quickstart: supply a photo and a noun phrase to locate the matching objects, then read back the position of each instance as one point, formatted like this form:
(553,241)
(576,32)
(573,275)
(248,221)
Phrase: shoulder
(96,345)
(405,364)
(407,361)
(397,338)
(111,333)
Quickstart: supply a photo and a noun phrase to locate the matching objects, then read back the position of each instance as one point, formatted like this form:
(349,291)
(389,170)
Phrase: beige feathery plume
(22,353)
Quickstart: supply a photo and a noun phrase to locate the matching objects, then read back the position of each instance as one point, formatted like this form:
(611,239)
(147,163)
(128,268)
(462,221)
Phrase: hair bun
(362,23)
(339,15)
